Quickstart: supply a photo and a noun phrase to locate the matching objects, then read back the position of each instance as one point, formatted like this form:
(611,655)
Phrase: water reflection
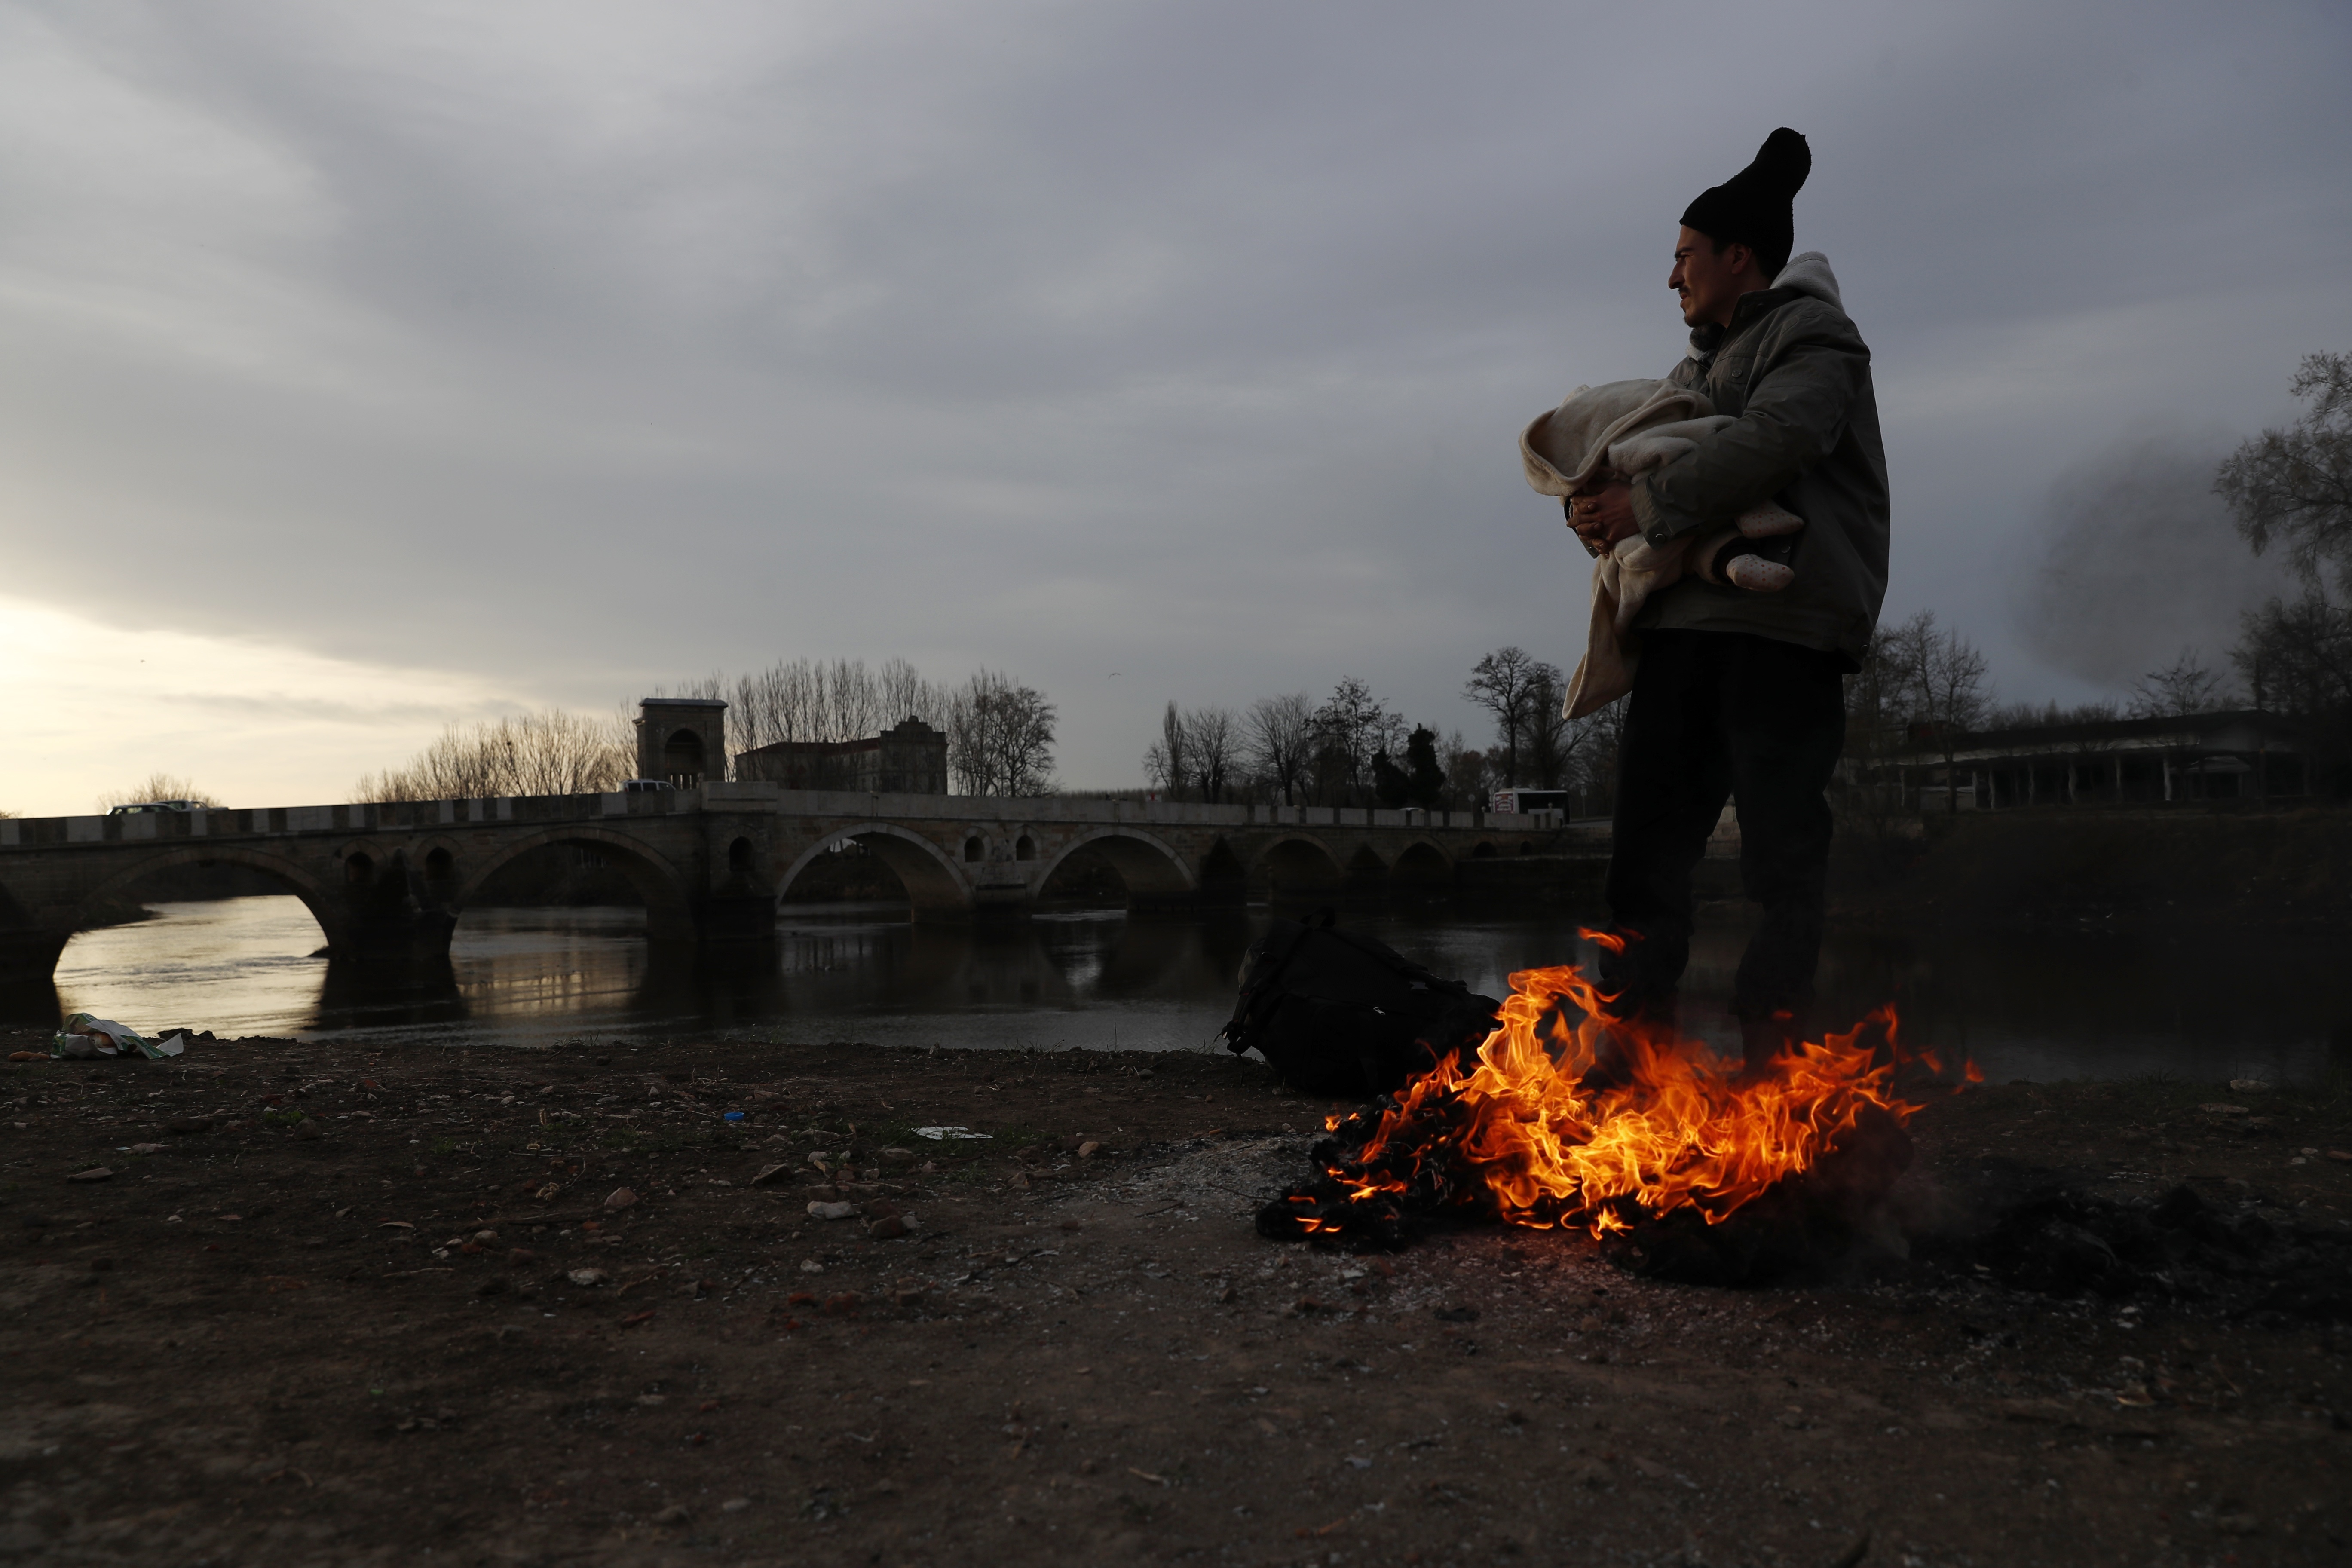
(2044,1007)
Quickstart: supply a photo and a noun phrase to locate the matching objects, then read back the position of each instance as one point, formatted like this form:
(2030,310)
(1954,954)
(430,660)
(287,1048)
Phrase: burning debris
(1684,1164)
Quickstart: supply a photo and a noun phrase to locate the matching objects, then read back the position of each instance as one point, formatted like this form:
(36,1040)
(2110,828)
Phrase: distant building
(910,758)
(2230,755)
(1528,800)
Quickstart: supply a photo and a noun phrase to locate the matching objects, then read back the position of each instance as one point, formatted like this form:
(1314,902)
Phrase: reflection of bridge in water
(711,862)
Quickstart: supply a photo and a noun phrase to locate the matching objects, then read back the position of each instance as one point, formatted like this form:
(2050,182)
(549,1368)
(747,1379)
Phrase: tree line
(1351,749)
(1000,733)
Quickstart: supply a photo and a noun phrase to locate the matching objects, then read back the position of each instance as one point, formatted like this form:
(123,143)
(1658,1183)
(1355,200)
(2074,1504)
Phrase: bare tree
(806,699)
(1553,740)
(550,752)
(1954,694)
(2296,660)
(1001,737)
(1469,777)
(1503,682)
(1593,747)
(1880,702)
(1349,728)
(710,687)
(155,787)
(902,693)
(2294,486)
(1279,737)
(2183,687)
(1167,762)
(1213,743)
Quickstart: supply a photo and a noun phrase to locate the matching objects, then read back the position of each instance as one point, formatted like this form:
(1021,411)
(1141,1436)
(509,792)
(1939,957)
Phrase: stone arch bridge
(390,880)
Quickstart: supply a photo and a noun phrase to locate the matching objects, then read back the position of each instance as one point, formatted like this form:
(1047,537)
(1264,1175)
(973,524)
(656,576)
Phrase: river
(2045,1006)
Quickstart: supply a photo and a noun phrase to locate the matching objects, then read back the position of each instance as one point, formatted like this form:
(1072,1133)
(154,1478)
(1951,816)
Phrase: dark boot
(1612,1065)
(1763,1041)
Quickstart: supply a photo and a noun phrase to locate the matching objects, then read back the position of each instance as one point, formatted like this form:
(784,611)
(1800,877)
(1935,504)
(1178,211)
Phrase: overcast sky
(363,366)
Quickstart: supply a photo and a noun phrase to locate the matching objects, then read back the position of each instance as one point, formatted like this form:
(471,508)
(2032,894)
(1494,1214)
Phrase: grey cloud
(586,348)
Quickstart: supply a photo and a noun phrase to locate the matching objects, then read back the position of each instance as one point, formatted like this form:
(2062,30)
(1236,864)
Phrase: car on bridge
(645,786)
(139,808)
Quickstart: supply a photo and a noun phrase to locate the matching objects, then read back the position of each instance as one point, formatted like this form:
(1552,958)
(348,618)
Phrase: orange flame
(1678,1128)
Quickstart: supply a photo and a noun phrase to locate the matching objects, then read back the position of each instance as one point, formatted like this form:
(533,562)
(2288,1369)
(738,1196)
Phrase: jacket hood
(1810,274)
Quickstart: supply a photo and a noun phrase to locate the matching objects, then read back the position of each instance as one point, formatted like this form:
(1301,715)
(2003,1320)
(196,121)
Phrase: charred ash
(2178,1248)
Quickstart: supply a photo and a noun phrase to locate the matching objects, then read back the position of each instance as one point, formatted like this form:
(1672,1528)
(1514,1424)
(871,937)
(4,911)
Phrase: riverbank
(256,1344)
(2286,866)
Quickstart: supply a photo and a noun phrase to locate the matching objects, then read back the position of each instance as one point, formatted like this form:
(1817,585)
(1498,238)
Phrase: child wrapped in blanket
(1604,434)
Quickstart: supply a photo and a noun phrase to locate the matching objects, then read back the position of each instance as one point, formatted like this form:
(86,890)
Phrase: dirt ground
(340,1306)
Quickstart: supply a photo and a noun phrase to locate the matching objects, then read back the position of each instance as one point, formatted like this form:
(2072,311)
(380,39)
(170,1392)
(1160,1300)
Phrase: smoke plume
(2138,560)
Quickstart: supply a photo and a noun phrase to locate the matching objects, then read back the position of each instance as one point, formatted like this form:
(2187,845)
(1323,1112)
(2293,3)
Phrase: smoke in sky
(2138,560)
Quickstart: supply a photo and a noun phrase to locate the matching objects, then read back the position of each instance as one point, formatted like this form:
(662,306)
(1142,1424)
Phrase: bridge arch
(1148,866)
(669,904)
(1423,864)
(329,907)
(934,883)
(1297,861)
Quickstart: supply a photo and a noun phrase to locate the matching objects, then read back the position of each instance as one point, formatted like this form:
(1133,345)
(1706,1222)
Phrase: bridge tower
(683,740)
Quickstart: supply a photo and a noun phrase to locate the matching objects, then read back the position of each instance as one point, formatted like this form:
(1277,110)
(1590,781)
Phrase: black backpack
(1338,1013)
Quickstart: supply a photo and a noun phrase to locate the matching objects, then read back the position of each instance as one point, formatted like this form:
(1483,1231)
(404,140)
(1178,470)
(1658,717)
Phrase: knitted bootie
(1732,559)
(1765,520)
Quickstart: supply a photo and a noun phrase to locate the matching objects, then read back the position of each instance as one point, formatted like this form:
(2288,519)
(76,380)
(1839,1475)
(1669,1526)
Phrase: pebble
(819,1209)
(95,1173)
(585,1277)
(618,1199)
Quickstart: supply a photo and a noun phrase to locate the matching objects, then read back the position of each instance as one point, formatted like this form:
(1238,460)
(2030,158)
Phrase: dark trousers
(1717,716)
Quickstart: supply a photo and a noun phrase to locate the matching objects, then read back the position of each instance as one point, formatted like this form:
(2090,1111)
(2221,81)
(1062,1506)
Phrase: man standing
(1739,695)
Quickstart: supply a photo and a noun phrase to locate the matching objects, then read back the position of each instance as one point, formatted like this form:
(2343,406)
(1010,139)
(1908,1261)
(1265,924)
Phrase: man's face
(1710,284)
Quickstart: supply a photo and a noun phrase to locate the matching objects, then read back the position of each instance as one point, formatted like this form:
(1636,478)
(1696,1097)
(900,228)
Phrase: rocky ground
(330,1305)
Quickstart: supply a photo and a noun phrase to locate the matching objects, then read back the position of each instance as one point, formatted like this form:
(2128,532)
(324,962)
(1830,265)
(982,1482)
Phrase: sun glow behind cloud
(90,705)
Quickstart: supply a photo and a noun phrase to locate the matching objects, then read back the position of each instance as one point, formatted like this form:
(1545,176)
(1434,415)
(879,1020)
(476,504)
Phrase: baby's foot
(1756,574)
(1759,568)
(1766,521)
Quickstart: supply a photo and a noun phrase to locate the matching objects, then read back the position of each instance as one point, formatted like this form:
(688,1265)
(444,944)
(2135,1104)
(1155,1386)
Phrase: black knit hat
(1754,206)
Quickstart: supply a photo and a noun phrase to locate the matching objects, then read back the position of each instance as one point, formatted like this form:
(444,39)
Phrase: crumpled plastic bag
(87,1037)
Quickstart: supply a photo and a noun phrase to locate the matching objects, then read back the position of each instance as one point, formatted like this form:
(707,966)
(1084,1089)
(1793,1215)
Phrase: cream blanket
(1630,428)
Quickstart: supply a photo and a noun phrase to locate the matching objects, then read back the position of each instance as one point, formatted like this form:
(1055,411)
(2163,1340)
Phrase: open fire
(1527,1133)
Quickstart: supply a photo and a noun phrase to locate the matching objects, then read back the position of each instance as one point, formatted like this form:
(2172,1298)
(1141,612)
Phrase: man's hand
(1602,515)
